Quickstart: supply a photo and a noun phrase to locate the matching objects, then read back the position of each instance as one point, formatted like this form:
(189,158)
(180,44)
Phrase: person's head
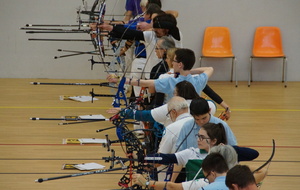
(200,110)
(165,24)
(213,166)
(152,9)
(240,177)
(157,2)
(184,59)
(170,56)
(162,45)
(143,5)
(228,152)
(177,106)
(186,90)
(210,135)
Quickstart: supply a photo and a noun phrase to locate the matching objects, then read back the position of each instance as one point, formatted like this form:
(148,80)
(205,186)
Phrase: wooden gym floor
(30,150)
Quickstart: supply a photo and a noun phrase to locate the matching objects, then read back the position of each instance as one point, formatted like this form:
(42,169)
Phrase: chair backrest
(267,42)
(216,42)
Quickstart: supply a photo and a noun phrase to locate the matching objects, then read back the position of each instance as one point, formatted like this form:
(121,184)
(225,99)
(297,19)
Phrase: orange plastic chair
(217,44)
(268,44)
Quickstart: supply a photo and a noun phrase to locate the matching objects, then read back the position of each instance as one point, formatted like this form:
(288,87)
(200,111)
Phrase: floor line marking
(117,144)
(29,107)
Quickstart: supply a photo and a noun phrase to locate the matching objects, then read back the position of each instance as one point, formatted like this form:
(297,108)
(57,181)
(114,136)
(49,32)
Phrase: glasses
(176,61)
(205,177)
(159,48)
(168,114)
(201,137)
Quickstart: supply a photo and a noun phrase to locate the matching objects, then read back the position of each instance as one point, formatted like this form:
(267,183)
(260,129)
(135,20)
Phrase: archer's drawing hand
(138,179)
(112,78)
(225,115)
(143,26)
(113,110)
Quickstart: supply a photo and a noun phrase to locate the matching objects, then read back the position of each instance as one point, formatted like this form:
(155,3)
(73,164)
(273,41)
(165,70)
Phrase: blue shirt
(192,128)
(218,184)
(167,85)
(134,6)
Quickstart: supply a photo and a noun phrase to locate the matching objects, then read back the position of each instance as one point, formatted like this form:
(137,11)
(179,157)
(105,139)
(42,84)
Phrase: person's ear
(180,65)
(213,141)
(234,187)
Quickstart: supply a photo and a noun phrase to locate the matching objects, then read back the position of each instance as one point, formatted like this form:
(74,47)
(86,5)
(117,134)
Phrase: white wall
(21,58)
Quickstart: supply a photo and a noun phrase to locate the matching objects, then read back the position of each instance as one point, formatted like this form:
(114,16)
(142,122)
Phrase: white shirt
(168,142)
(159,114)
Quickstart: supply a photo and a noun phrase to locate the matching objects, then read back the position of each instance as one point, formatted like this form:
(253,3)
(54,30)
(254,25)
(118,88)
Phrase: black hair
(199,106)
(157,2)
(214,162)
(152,8)
(240,175)
(186,90)
(216,131)
(187,57)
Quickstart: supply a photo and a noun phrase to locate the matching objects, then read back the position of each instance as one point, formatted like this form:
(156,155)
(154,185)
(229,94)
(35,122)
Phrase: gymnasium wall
(20,58)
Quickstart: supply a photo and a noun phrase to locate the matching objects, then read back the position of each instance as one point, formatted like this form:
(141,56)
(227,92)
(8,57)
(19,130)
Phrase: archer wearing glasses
(192,158)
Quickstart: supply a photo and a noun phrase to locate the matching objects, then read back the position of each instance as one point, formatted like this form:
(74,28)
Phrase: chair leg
(235,73)
(232,65)
(284,72)
(250,73)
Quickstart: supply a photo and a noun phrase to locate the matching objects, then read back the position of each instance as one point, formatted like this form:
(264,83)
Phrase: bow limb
(102,10)
(269,160)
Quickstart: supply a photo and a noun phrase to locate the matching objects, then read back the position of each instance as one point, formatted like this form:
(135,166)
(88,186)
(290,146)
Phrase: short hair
(215,131)
(240,175)
(166,42)
(199,106)
(157,2)
(153,8)
(177,103)
(186,90)
(187,57)
(214,162)
(228,152)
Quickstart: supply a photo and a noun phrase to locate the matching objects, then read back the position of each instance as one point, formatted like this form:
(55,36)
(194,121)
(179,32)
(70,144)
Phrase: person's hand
(112,78)
(139,179)
(93,26)
(105,26)
(225,115)
(122,52)
(143,26)
(113,110)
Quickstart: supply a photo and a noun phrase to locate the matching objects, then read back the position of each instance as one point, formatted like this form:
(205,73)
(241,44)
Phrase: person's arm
(176,170)
(140,115)
(157,185)
(163,158)
(216,98)
(119,31)
(144,26)
(128,16)
(131,81)
(245,153)
(207,70)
